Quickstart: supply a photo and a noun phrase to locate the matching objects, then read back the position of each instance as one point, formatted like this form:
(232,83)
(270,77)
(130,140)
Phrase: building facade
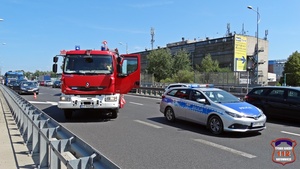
(277,67)
(232,52)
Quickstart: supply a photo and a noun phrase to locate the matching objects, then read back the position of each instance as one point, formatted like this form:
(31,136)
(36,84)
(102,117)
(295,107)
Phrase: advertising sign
(240,53)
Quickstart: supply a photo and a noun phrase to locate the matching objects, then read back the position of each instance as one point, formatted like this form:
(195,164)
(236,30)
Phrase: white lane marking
(136,103)
(225,148)
(147,124)
(286,132)
(52,103)
(36,102)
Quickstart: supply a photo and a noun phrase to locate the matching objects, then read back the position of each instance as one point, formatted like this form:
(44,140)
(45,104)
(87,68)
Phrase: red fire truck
(96,79)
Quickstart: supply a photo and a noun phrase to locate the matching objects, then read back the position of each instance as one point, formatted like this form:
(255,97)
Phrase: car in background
(276,101)
(41,83)
(12,83)
(48,83)
(27,87)
(56,84)
(215,108)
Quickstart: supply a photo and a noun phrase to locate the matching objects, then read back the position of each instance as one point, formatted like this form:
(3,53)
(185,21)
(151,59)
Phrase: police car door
(196,111)
(180,103)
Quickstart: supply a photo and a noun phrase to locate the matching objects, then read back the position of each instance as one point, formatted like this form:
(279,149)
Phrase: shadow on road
(285,122)
(82,116)
(200,129)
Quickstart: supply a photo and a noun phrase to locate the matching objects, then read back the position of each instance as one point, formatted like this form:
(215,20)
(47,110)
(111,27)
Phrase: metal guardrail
(53,144)
(158,90)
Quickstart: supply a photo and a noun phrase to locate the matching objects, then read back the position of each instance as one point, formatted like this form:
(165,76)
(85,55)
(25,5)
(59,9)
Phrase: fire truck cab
(96,80)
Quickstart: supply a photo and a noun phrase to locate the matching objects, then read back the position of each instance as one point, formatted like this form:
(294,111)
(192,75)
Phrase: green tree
(208,65)
(184,76)
(181,61)
(292,70)
(160,64)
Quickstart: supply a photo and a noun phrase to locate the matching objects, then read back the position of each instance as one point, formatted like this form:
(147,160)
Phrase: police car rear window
(180,93)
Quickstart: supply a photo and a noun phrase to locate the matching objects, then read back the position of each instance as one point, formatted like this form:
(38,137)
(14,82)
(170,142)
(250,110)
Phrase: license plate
(258,124)
(86,106)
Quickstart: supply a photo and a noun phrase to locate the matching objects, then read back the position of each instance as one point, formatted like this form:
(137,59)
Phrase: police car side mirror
(201,101)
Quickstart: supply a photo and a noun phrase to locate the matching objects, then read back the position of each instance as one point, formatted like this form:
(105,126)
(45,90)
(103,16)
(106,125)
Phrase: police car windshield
(221,96)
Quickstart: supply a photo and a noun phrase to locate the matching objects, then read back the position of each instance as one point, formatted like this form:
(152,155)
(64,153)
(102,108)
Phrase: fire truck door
(128,76)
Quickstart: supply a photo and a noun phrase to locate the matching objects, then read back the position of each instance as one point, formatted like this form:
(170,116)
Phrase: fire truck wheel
(114,113)
(68,114)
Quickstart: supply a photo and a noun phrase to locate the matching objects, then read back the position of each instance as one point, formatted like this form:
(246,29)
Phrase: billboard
(240,53)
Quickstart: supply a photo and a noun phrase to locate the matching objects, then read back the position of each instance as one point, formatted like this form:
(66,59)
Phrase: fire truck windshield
(88,64)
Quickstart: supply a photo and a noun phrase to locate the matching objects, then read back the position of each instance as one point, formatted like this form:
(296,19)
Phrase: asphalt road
(141,138)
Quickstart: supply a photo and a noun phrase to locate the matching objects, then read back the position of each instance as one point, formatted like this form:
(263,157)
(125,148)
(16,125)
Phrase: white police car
(217,109)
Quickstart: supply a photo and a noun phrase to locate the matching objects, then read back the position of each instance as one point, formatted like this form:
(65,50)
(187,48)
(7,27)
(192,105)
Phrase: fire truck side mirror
(119,60)
(119,64)
(119,68)
(55,59)
(54,68)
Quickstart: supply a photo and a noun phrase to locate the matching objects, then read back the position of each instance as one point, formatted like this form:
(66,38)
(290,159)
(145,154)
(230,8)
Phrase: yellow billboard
(240,53)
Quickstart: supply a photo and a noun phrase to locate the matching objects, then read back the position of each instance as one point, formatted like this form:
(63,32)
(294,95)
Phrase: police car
(217,109)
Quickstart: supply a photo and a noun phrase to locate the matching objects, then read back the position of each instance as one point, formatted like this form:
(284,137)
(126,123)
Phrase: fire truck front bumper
(95,102)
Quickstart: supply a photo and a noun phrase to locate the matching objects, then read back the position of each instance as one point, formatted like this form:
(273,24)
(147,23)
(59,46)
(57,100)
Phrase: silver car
(217,109)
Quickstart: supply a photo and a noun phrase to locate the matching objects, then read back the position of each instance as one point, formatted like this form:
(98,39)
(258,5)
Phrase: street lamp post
(256,48)
(2,44)
(126,46)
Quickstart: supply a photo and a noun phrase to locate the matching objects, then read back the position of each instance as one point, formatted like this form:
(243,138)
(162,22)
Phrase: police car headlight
(234,114)
(111,98)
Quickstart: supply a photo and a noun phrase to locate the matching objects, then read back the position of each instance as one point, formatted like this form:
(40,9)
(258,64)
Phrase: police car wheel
(215,125)
(169,114)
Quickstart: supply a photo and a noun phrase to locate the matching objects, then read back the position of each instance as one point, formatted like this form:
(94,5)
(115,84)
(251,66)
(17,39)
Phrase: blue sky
(33,31)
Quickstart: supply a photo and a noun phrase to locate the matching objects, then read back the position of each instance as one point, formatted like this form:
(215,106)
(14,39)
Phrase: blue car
(215,108)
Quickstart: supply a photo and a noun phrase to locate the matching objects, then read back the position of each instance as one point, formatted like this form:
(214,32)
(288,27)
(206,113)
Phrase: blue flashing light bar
(77,47)
(201,85)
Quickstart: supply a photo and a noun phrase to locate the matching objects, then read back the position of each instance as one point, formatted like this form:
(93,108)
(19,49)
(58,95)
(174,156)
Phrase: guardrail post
(43,162)
(28,140)
(35,137)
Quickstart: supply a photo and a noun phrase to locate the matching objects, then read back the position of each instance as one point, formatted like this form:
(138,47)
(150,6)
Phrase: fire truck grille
(90,88)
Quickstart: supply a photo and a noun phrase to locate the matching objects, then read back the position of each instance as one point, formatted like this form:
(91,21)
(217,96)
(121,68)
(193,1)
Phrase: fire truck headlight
(111,98)
(63,98)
